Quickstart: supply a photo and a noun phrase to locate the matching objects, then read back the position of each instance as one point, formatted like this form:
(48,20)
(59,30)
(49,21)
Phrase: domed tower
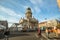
(28,13)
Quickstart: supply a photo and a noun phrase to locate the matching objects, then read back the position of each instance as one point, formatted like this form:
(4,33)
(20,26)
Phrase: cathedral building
(28,22)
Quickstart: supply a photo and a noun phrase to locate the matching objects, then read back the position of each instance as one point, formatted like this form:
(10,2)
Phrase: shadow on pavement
(15,35)
(54,38)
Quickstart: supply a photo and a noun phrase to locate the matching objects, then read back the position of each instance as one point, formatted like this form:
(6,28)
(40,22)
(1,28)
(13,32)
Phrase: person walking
(55,31)
(6,34)
(46,32)
(39,33)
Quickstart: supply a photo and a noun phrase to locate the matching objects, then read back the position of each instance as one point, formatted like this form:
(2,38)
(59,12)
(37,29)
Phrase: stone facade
(29,21)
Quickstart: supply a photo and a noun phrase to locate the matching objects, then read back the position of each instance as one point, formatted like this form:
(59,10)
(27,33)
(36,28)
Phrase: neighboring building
(29,21)
(20,27)
(14,27)
(4,23)
(2,27)
(43,24)
(50,23)
(53,23)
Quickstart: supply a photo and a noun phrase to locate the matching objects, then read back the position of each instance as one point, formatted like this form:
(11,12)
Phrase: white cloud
(9,19)
(12,18)
(37,9)
(36,1)
(26,6)
(9,25)
(9,11)
(15,3)
(2,17)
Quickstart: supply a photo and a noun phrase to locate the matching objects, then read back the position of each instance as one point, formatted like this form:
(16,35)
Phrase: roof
(3,20)
(33,20)
(42,22)
(28,8)
(16,23)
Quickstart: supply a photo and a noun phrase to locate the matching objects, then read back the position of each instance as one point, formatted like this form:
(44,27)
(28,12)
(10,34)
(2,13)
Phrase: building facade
(14,27)
(43,24)
(4,23)
(50,23)
(29,21)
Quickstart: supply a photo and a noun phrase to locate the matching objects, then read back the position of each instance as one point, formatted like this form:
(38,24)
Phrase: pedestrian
(39,32)
(56,31)
(6,34)
(47,32)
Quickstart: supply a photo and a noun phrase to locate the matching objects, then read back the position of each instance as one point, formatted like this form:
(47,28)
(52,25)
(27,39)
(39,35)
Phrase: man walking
(6,34)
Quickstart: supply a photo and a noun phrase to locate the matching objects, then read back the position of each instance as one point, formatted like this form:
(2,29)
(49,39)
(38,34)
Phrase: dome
(33,19)
(28,8)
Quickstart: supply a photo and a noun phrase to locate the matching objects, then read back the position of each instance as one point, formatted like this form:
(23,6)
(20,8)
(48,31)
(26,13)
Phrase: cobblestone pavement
(28,36)
(51,37)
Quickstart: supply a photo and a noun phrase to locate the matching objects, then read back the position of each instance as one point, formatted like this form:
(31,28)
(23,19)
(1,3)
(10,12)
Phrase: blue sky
(13,10)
